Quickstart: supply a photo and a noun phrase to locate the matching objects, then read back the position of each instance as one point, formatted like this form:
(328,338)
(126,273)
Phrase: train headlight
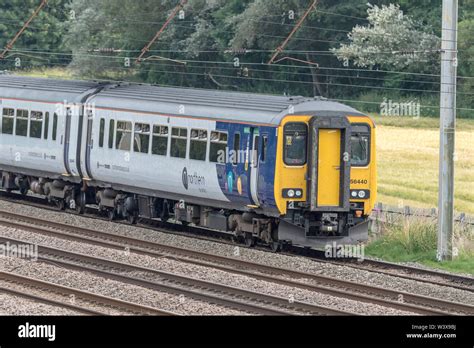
(360,194)
(292,193)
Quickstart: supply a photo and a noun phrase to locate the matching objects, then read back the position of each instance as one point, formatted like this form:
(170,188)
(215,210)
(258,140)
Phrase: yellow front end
(294,176)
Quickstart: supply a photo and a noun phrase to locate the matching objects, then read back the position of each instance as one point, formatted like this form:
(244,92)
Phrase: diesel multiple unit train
(267,169)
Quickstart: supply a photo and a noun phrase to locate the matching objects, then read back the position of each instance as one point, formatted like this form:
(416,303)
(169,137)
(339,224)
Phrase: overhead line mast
(162,29)
(293,32)
(9,46)
(449,65)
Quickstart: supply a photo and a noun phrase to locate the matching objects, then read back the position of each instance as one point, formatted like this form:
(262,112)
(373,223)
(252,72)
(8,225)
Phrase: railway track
(80,301)
(359,292)
(412,273)
(223,295)
(382,267)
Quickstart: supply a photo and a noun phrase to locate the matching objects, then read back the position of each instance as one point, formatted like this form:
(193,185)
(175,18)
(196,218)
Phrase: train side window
(141,142)
(21,122)
(263,156)
(36,124)
(218,146)
(179,138)
(198,147)
(46,126)
(235,156)
(160,140)
(55,126)
(8,119)
(123,136)
(111,133)
(255,151)
(295,142)
(101,132)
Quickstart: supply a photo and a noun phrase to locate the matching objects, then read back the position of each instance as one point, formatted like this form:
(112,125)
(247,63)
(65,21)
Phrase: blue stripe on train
(234,180)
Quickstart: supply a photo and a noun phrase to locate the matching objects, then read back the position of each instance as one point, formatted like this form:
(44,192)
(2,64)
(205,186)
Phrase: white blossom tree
(391,39)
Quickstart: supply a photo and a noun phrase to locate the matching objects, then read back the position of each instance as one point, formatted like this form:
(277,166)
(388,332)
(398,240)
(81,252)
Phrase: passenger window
(235,157)
(198,147)
(21,123)
(123,136)
(46,126)
(295,142)
(55,126)
(141,141)
(256,151)
(111,133)
(217,153)
(264,148)
(36,124)
(160,140)
(179,138)
(8,119)
(101,132)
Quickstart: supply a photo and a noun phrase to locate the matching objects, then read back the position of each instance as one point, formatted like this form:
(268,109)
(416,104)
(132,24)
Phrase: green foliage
(391,40)
(44,34)
(200,48)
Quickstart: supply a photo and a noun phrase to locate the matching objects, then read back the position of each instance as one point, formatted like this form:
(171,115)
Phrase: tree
(45,34)
(391,40)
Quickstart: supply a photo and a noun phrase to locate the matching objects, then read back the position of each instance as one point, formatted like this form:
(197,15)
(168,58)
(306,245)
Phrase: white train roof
(200,103)
(45,90)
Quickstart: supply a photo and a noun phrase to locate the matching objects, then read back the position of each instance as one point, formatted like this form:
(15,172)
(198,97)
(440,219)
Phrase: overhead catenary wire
(280,81)
(190,64)
(277,65)
(258,64)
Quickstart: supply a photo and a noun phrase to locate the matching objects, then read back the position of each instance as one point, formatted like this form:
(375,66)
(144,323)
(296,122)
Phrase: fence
(386,214)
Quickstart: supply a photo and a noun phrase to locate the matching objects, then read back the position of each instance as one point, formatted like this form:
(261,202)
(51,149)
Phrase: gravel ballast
(17,305)
(278,260)
(92,283)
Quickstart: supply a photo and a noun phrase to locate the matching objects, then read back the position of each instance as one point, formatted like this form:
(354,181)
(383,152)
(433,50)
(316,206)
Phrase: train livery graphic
(267,169)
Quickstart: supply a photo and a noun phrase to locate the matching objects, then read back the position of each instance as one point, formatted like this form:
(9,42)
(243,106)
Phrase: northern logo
(192,179)
(185,178)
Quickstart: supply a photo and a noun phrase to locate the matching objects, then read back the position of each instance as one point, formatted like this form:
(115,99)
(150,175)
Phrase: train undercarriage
(298,227)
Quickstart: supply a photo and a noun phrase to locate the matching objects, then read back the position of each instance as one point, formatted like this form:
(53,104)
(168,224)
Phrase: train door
(74,119)
(254,166)
(66,139)
(329,167)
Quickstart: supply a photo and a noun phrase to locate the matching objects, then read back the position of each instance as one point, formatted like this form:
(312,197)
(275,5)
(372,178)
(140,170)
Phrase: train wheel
(81,202)
(249,240)
(111,214)
(275,246)
(132,218)
(60,204)
(24,191)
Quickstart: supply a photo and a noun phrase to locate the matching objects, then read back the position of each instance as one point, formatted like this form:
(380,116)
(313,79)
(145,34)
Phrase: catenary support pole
(447,129)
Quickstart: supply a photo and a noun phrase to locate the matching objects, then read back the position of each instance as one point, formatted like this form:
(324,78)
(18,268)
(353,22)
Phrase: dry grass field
(408,151)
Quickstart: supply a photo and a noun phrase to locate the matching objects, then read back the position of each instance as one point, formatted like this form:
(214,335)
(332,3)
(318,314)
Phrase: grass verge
(415,241)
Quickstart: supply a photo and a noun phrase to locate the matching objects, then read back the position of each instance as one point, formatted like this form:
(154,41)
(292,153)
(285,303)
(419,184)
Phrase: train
(273,170)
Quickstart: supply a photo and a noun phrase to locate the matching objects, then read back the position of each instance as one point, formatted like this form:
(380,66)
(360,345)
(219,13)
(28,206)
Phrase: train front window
(296,142)
(360,145)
